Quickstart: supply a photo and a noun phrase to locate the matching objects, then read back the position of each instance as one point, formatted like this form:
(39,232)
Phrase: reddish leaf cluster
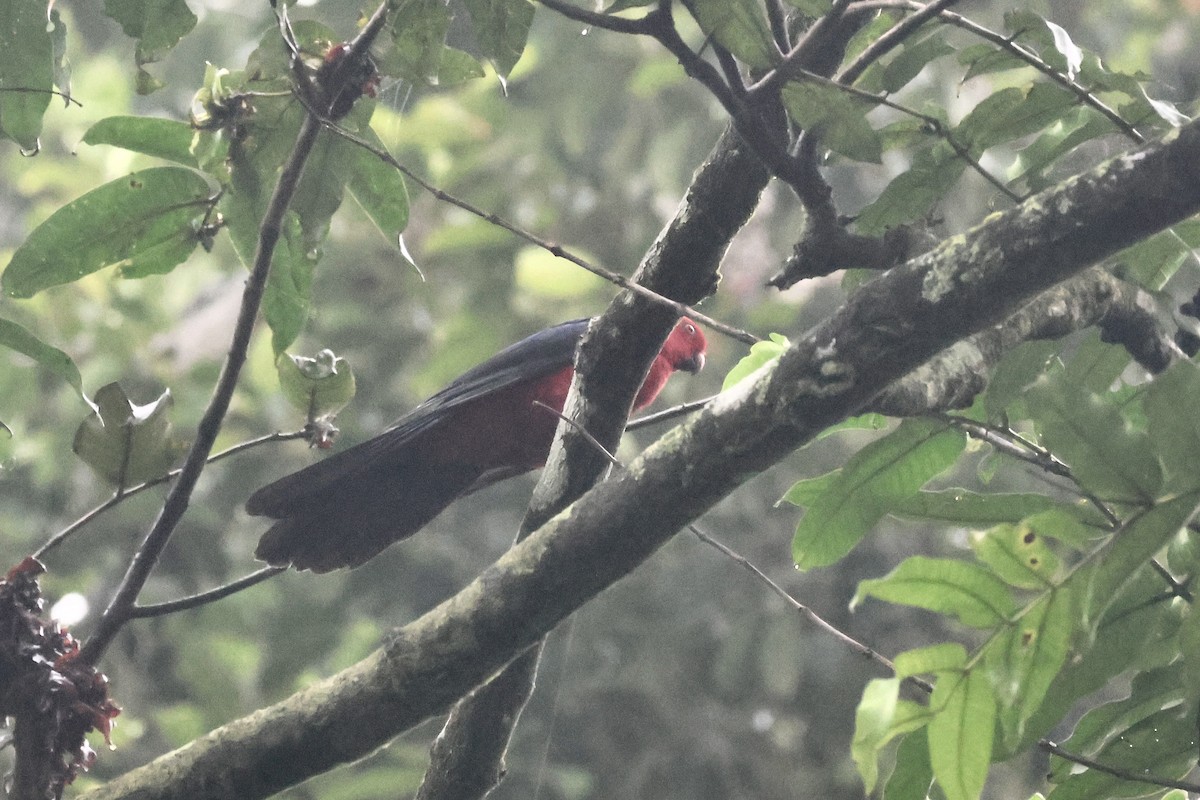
(54,697)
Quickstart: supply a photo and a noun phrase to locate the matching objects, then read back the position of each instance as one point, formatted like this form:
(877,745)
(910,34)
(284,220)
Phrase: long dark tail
(344,523)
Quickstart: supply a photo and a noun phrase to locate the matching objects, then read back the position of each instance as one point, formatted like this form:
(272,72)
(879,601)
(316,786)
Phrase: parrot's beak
(693,364)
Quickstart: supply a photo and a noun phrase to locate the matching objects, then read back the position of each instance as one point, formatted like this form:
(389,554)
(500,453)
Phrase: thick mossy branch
(1125,314)
(888,328)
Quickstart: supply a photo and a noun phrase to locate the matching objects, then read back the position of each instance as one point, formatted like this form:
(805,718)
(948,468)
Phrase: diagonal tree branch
(466,759)
(888,328)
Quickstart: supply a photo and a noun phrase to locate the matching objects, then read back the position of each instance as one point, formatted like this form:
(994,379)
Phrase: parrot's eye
(691,329)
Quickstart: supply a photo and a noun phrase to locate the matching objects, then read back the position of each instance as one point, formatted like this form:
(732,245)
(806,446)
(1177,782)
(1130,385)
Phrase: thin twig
(66,97)
(890,39)
(932,123)
(608,22)
(849,641)
(122,495)
(812,616)
(1013,444)
(203,598)
(669,413)
(117,613)
(1139,777)
(616,278)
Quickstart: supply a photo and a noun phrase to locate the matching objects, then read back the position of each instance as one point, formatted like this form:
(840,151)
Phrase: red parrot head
(685,346)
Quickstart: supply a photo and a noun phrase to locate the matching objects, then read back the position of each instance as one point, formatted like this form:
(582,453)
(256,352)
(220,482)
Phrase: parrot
(483,427)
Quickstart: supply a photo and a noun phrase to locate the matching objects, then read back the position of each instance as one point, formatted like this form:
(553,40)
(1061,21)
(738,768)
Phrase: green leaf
(872,721)
(1149,693)
(963,507)
(1072,56)
(960,735)
(419,37)
(30,58)
(913,774)
(17,338)
(1013,113)
(1023,661)
(125,443)
(1095,365)
(1077,127)
(913,58)
(1048,40)
(288,294)
(985,58)
(158,25)
(1019,367)
(911,195)
(266,136)
(882,473)
(1151,262)
(838,117)
(1189,649)
(320,386)
(803,493)
(944,657)
(1162,745)
(501,28)
(146,223)
(457,67)
(1175,434)
(761,354)
(161,138)
(967,591)
(1088,432)
(881,717)
(1018,555)
(1129,629)
(740,27)
(1129,549)
(378,189)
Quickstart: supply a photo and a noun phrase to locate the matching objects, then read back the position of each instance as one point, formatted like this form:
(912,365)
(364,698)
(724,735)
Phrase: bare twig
(203,598)
(669,413)
(615,278)
(68,99)
(124,599)
(1139,777)
(121,496)
(891,38)
(841,636)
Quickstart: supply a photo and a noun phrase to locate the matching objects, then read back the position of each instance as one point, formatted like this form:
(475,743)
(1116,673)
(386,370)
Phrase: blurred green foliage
(690,681)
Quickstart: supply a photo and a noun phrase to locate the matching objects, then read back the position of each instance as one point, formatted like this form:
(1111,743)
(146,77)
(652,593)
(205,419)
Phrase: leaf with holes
(320,386)
(146,223)
(1025,658)
(1018,555)
(126,443)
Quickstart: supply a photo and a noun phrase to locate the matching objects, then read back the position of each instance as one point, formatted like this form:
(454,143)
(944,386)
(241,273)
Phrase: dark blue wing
(536,356)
